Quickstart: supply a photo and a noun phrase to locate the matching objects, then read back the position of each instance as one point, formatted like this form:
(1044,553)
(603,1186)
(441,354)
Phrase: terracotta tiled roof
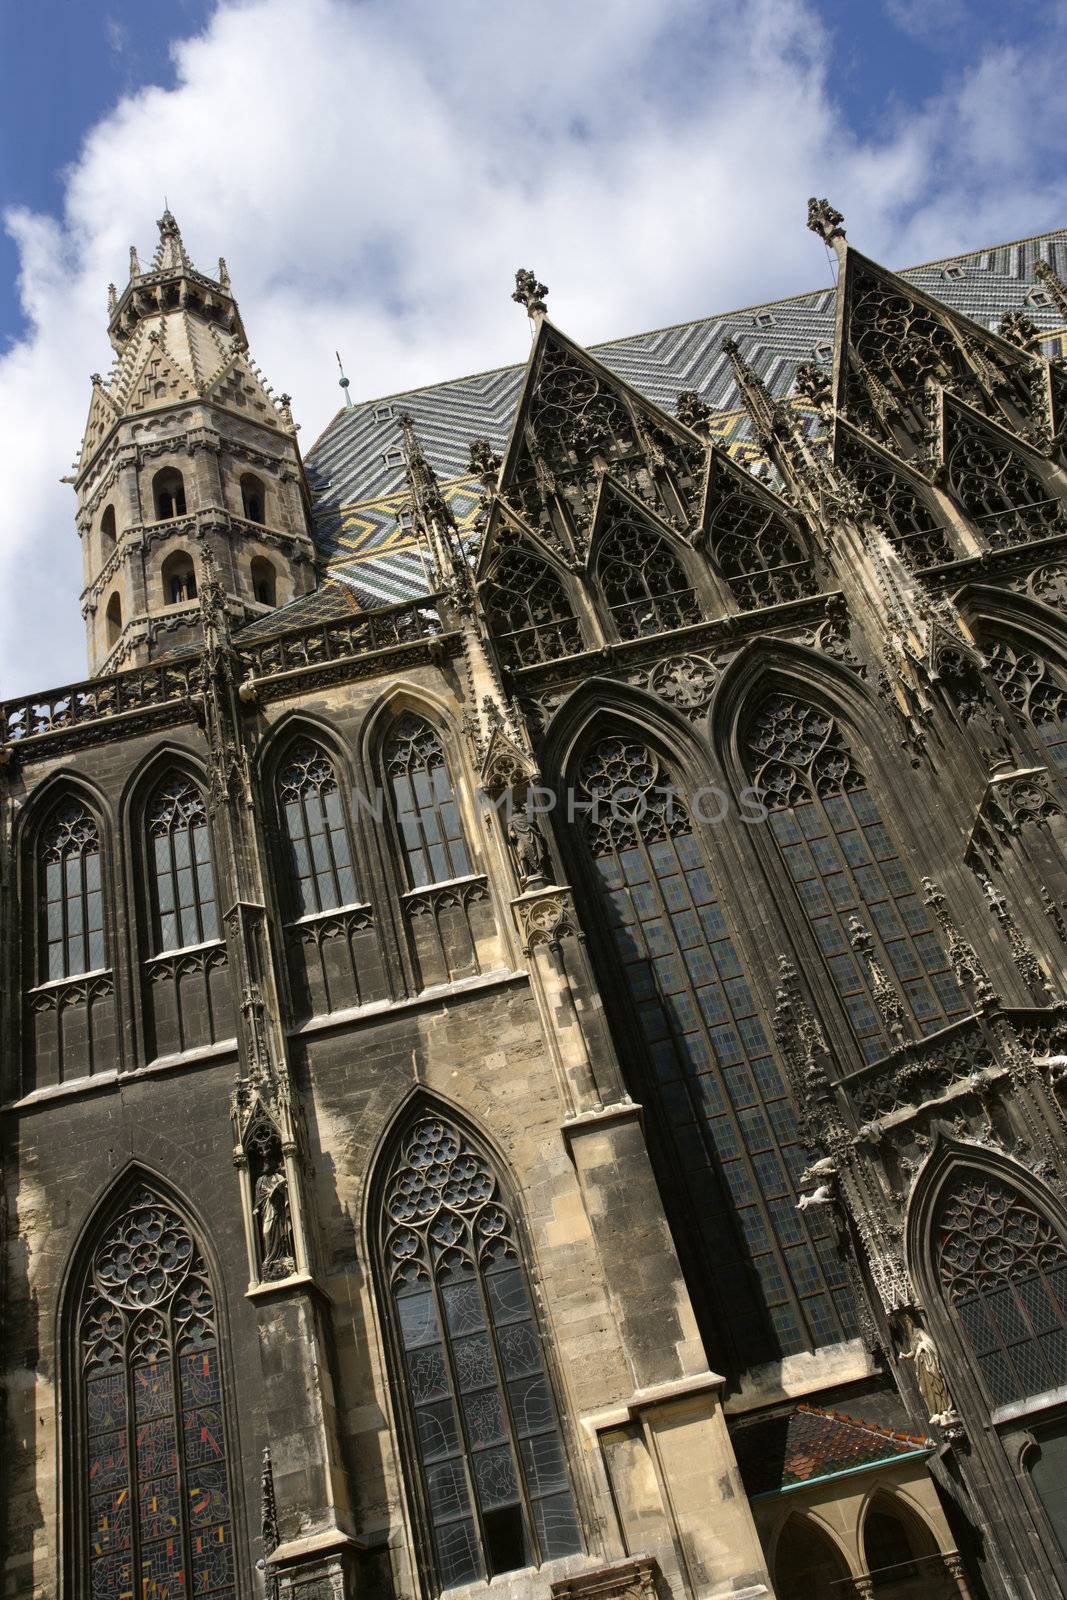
(797,1446)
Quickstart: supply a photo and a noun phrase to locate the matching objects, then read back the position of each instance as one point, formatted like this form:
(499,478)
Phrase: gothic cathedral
(534,967)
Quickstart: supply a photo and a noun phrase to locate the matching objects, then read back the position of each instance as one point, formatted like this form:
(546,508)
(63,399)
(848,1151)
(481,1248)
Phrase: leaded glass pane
(843,861)
(1003,1270)
(314,817)
(727,1125)
(72,906)
(183,879)
(155,1472)
(471,1369)
(427,817)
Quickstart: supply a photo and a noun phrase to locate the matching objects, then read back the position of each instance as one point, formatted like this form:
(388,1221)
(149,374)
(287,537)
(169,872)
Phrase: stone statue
(275,1225)
(528,849)
(931,1379)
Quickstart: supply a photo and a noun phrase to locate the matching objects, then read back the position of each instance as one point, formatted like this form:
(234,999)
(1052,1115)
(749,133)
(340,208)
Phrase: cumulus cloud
(374,173)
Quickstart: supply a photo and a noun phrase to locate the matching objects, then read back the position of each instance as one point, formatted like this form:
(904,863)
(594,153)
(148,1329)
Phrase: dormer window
(953,272)
(763,319)
(383,413)
(393,458)
(168,490)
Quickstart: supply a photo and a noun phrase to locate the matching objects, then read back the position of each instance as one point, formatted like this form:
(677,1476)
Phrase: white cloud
(375,172)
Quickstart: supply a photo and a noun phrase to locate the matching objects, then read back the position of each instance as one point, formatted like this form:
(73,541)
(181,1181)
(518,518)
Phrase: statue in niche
(274,1225)
(931,1379)
(529,850)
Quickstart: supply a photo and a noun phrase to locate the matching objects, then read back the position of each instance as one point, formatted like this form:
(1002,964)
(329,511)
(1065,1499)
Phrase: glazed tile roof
(798,1446)
(333,599)
(358,476)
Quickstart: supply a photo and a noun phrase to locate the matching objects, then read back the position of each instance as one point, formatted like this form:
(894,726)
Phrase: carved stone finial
(485,463)
(969,971)
(1020,330)
(813,383)
(691,410)
(135,263)
(1026,962)
(530,293)
(95,379)
(1053,283)
(824,220)
(112,299)
(224,273)
(887,1001)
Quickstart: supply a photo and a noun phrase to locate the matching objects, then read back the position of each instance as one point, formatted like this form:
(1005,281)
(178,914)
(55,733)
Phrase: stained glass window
(1030,688)
(843,861)
(643,583)
(320,852)
(468,1362)
(72,898)
(157,1513)
(1003,1271)
(182,874)
(424,804)
(732,1156)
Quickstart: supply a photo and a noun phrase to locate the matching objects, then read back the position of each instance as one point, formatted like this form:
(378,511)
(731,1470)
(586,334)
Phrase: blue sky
(374,171)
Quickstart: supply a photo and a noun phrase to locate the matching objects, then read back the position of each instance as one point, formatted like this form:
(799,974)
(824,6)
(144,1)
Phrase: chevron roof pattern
(356,467)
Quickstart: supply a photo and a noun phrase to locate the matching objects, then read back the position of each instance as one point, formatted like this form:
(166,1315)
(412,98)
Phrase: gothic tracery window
(468,1363)
(843,861)
(424,804)
(1003,1271)
(528,612)
(643,582)
(153,1492)
(998,489)
(759,553)
(180,866)
(320,852)
(899,507)
(731,1145)
(72,898)
(1031,689)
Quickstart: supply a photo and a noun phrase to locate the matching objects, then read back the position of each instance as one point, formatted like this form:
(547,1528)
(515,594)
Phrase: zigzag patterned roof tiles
(356,467)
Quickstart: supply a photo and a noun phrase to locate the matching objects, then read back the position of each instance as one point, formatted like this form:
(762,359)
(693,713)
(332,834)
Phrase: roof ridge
(860,1422)
(686,322)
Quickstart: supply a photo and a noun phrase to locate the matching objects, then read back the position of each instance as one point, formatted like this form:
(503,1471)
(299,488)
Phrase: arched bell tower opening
(183,376)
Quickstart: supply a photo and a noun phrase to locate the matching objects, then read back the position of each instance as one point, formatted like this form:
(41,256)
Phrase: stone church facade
(554,1084)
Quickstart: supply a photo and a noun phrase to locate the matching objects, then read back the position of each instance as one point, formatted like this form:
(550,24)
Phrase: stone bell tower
(186,456)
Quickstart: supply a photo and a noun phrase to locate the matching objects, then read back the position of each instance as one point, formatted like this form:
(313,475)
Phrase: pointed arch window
(315,824)
(253,497)
(843,861)
(113,620)
(730,1149)
(181,871)
(643,582)
(424,804)
(1002,1268)
(107,531)
(528,611)
(899,507)
(154,1506)
(759,553)
(72,898)
(1032,689)
(998,489)
(467,1363)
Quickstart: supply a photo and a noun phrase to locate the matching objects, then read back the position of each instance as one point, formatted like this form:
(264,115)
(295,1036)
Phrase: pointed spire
(170,253)
(224,273)
(889,1005)
(825,221)
(135,262)
(432,515)
(531,294)
(1027,965)
(970,973)
(112,299)
(343,382)
(768,416)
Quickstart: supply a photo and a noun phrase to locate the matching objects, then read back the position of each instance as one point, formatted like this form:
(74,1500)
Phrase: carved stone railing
(78,703)
(919,1071)
(346,637)
(453,930)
